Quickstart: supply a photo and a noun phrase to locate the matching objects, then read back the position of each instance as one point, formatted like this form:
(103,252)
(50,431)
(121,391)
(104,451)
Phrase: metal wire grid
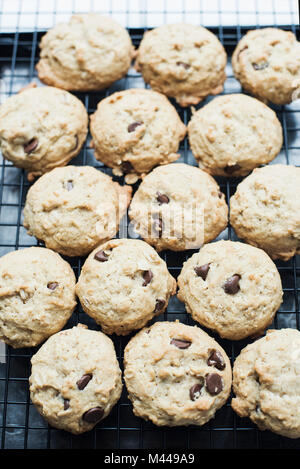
(20,424)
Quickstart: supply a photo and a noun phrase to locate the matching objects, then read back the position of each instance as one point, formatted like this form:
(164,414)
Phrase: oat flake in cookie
(265,210)
(178,207)
(176,374)
(75,208)
(41,128)
(123,284)
(233,134)
(183,61)
(88,53)
(267,63)
(37,296)
(135,130)
(266,382)
(232,288)
(75,379)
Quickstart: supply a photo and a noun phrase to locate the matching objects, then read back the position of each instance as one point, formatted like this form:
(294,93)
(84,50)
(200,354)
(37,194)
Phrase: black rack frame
(20,424)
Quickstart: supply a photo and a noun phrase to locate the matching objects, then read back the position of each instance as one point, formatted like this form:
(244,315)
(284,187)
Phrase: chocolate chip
(52,285)
(260,66)
(183,64)
(160,304)
(196,390)
(126,167)
(147,276)
(93,415)
(66,404)
(220,194)
(83,381)
(31,145)
(231,286)
(213,383)
(231,169)
(133,126)
(101,256)
(180,343)
(202,270)
(216,359)
(158,226)
(162,198)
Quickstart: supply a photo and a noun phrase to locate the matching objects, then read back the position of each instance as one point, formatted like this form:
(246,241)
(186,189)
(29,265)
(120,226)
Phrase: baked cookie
(267,63)
(135,130)
(75,379)
(176,374)
(88,53)
(178,207)
(233,134)
(123,284)
(183,61)
(37,296)
(75,208)
(41,128)
(232,288)
(265,210)
(266,382)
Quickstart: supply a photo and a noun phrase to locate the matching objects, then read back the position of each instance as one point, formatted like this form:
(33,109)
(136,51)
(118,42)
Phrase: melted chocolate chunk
(213,383)
(181,343)
(231,286)
(196,390)
(160,304)
(93,415)
(52,285)
(260,66)
(147,276)
(202,270)
(66,404)
(162,198)
(133,126)
(216,359)
(31,146)
(83,381)
(101,256)
(183,64)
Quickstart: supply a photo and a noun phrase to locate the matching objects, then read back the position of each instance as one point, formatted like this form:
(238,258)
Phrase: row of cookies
(175,375)
(183,61)
(135,130)
(73,209)
(124,284)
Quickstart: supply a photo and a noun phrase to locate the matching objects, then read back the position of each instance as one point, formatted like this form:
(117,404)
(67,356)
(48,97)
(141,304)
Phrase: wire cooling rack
(20,424)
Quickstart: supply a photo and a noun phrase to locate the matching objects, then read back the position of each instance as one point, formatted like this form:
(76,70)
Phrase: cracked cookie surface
(267,63)
(37,296)
(75,379)
(135,130)
(233,134)
(183,61)
(266,382)
(74,209)
(176,374)
(90,52)
(41,128)
(232,288)
(123,284)
(265,210)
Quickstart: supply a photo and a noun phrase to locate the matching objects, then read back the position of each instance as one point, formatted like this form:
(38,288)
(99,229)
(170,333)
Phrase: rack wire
(20,424)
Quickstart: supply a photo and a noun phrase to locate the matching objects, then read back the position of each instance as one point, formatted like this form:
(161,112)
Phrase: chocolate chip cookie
(267,385)
(89,52)
(75,379)
(232,288)
(265,210)
(37,296)
(267,63)
(176,374)
(123,284)
(74,209)
(41,128)
(135,130)
(183,61)
(178,207)
(233,134)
